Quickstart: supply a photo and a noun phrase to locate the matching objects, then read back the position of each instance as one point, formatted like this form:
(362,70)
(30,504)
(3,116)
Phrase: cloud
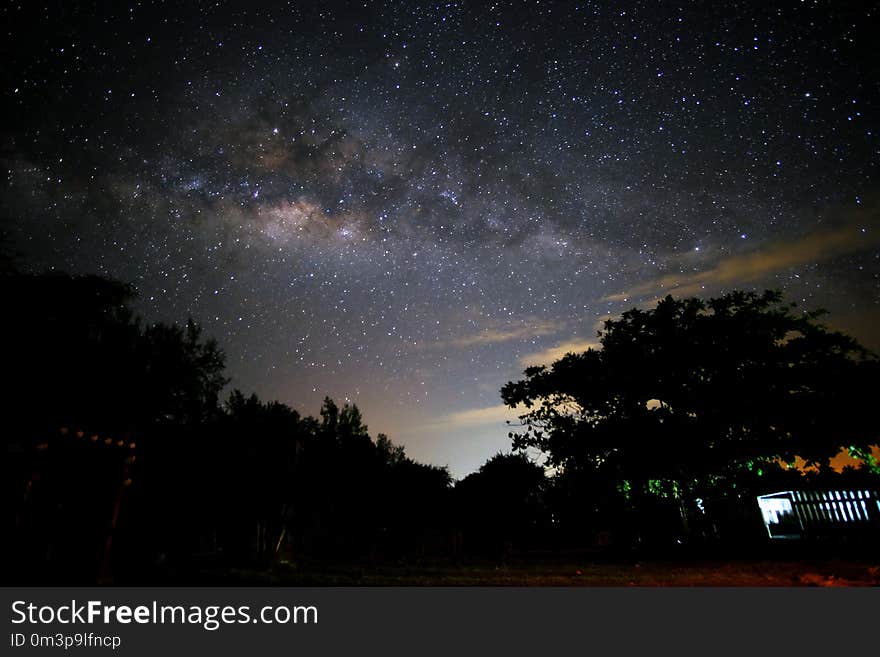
(575,345)
(776,256)
(556,352)
(478,417)
(495,334)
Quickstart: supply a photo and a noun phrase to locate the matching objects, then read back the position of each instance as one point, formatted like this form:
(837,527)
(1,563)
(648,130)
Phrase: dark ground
(555,572)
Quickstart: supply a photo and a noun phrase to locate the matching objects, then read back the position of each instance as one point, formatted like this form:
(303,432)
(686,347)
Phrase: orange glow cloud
(773,257)
(556,352)
(495,334)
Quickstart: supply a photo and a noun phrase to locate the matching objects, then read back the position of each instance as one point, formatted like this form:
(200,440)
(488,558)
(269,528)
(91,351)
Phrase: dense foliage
(123,464)
(122,459)
(695,395)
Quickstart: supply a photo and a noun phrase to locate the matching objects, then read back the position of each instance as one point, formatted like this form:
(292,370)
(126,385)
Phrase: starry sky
(403,204)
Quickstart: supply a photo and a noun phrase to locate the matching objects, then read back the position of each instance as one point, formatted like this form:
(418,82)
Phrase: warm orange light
(838,462)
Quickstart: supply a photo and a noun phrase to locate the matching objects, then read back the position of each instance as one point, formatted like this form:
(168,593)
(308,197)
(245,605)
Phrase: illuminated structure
(796,514)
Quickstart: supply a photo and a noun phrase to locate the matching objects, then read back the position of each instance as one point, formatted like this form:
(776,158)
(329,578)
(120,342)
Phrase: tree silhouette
(116,438)
(88,382)
(361,497)
(694,396)
(502,504)
(183,373)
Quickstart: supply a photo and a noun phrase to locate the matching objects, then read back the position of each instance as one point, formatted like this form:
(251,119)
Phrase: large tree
(693,394)
(502,503)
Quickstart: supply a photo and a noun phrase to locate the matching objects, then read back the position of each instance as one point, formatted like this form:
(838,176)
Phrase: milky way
(403,205)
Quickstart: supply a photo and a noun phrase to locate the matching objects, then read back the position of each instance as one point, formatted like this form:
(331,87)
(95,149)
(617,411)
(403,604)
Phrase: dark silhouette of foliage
(362,496)
(79,357)
(124,466)
(89,383)
(693,396)
(502,504)
(183,374)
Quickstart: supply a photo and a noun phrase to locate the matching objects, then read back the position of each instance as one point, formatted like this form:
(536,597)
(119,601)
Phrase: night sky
(403,204)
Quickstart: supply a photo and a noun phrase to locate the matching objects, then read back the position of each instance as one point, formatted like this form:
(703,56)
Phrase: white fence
(794,514)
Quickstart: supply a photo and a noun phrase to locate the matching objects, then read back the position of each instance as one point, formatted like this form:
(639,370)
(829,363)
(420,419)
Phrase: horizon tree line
(125,465)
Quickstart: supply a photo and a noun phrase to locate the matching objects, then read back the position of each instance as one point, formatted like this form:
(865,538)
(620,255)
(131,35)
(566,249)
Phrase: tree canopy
(503,500)
(692,394)
(79,356)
